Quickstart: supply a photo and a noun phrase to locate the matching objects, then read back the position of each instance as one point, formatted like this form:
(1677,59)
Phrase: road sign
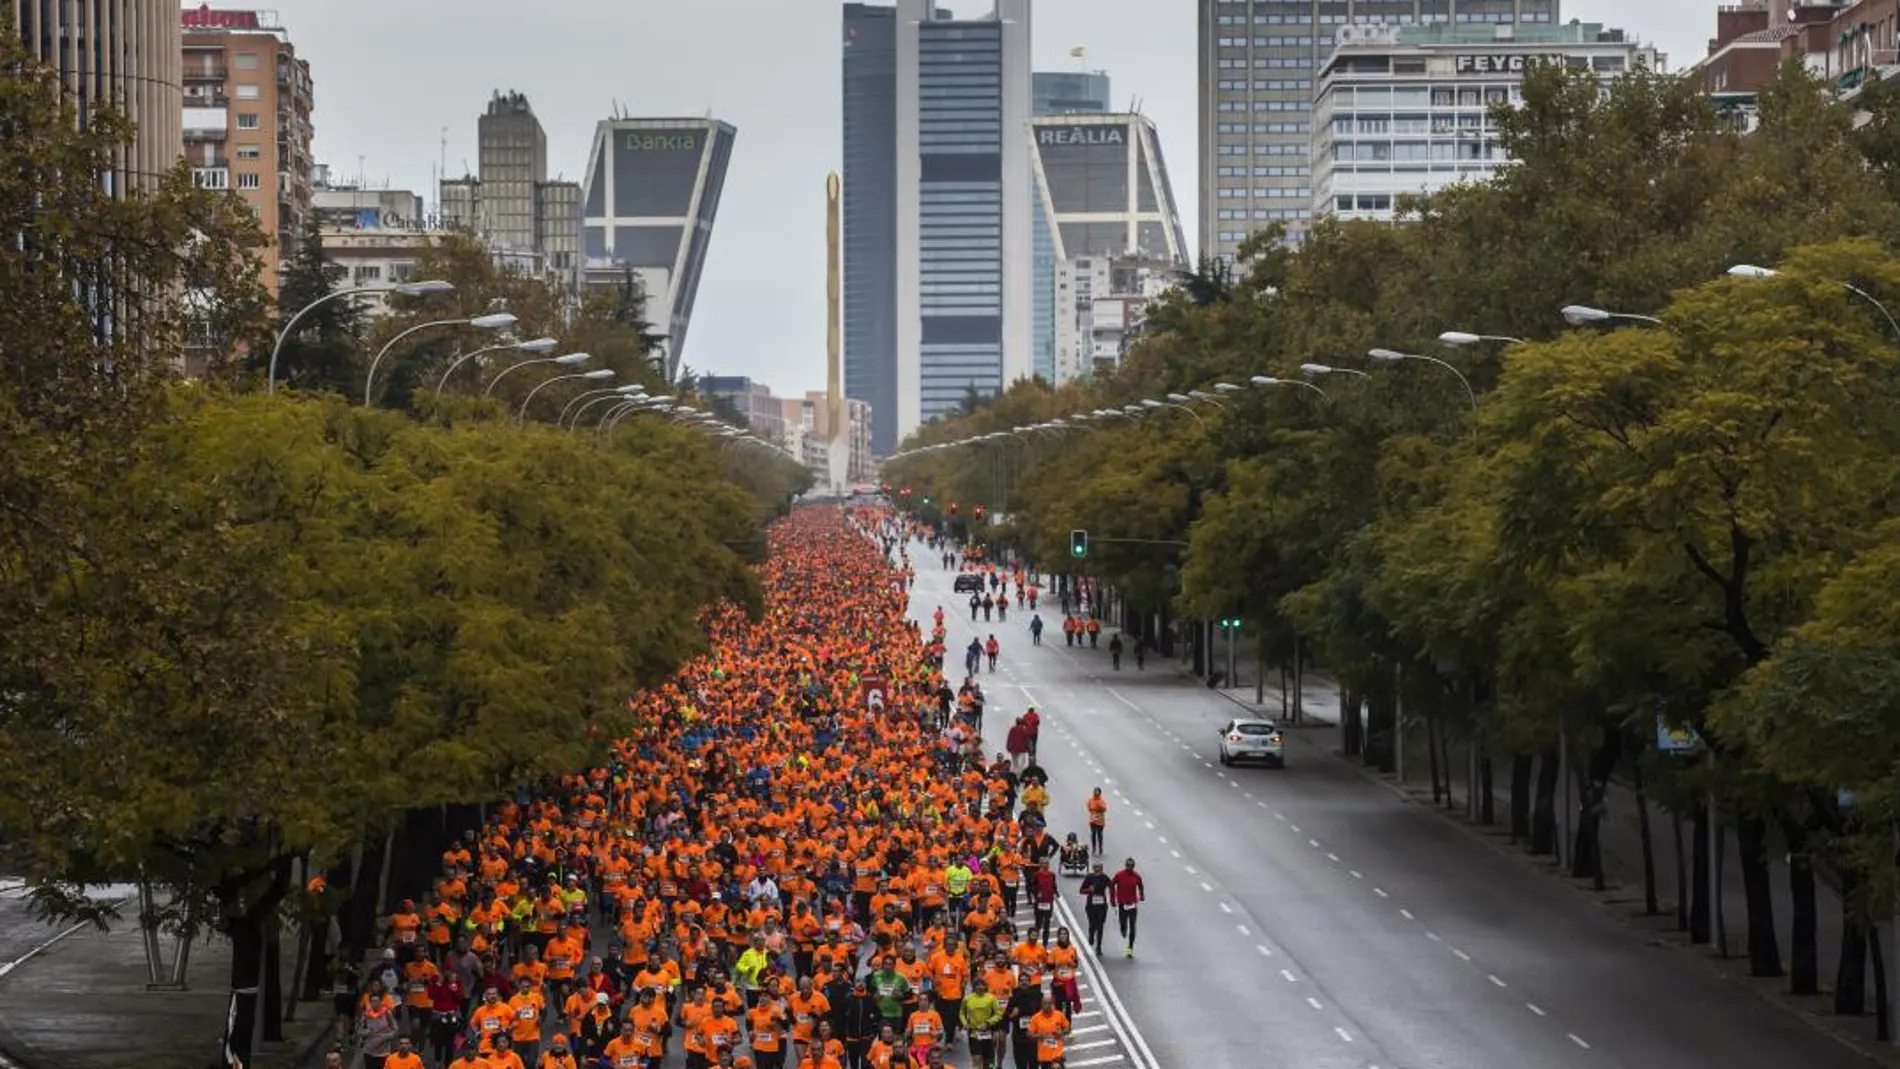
(1676,740)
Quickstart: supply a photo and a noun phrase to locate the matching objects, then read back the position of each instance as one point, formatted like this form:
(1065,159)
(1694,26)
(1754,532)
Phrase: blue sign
(1676,740)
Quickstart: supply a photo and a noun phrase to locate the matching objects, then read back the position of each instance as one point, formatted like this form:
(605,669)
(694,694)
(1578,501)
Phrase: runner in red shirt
(1127,892)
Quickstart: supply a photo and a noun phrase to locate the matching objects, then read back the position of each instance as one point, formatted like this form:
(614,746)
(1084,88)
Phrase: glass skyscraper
(963,207)
(1258,63)
(870,216)
(1056,93)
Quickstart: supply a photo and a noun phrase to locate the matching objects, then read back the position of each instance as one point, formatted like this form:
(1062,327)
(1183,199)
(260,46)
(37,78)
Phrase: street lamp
(582,399)
(521,418)
(1151,403)
(570,360)
(646,404)
(408,289)
(1268,380)
(536,345)
(1328,369)
(1203,395)
(1389,356)
(1459,337)
(1227,387)
(494,321)
(1751,271)
(1578,315)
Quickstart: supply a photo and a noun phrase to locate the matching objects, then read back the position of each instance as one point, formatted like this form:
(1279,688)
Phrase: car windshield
(1255,729)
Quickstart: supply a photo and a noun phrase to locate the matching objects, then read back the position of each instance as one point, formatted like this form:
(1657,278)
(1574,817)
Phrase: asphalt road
(1310,919)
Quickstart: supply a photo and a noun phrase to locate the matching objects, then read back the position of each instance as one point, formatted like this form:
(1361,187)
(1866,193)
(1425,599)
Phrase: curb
(313,1051)
(1775,998)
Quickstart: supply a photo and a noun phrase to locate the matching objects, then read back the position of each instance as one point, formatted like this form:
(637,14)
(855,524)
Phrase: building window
(245,61)
(250,180)
(247,120)
(249,152)
(247,92)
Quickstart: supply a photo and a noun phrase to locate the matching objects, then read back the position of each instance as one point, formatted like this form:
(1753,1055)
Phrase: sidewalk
(82,1004)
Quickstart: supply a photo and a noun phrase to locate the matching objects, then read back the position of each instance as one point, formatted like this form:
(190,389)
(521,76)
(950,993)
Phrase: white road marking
(1295,828)
(1342,1034)
(1264,952)
(1287,975)
(1192,871)
(1462,956)
(1334,858)
(1164,840)
(1314,843)
(1243,929)
(1090,1028)
(1095,1061)
(1150,824)
(1225,908)
(1493,977)
(1176,853)
(1092,1044)
(1578,1040)
(1208,887)
(1357,875)
(1534,1008)
(1313,1002)
(1433,936)
(1380,891)
(1407,914)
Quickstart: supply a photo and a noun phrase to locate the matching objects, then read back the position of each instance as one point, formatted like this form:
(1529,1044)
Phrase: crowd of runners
(803,858)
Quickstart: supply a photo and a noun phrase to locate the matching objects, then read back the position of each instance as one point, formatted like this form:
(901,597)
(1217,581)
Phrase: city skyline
(760,309)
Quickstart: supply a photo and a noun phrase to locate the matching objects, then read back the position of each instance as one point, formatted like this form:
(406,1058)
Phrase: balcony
(197,74)
(211,177)
(201,134)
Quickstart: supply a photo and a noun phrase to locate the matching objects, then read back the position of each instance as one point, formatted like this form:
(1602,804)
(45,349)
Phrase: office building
(964,298)
(1259,60)
(751,401)
(1102,182)
(1103,300)
(652,192)
(373,236)
(529,222)
(807,436)
(1403,109)
(120,52)
(512,159)
(1055,93)
(247,128)
(870,214)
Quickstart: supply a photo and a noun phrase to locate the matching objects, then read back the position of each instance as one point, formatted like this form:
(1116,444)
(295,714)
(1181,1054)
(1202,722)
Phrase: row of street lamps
(1574,314)
(630,399)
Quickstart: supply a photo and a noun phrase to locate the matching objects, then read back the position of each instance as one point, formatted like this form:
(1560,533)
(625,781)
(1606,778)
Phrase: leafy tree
(325,352)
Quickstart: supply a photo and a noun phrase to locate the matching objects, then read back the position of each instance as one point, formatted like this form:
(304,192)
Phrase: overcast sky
(392,76)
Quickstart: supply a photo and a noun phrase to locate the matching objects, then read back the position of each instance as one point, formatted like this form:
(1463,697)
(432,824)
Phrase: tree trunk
(1521,797)
(1883,1023)
(1651,905)
(1544,806)
(1804,952)
(271,996)
(1444,761)
(360,920)
(1352,724)
(1850,978)
(1431,750)
(247,966)
(1701,910)
(1487,799)
(1764,945)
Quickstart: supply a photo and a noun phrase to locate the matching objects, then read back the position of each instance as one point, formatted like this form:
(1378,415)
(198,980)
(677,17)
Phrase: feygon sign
(1516,63)
(1082,135)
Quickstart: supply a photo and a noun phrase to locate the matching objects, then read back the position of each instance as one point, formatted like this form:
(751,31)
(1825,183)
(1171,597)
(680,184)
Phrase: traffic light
(1232,624)
(926,500)
(953,508)
(979,514)
(1078,544)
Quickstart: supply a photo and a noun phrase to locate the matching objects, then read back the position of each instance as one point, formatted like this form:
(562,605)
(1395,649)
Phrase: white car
(1252,740)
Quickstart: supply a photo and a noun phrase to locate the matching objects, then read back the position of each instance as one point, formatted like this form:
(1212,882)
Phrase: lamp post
(1578,315)
(521,417)
(583,399)
(1268,380)
(661,404)
(1328,369)
(570,360)
(1390,356)
(409,289)
(537,345)
(496,321)
(1459,337)
(1751,271)
(1154,405)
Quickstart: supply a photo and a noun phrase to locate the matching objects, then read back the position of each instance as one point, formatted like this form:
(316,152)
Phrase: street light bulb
(1226,387)
(1458,337)
(1385,354)
(603,373)
(1179,398)
(494,321)
(417,289)
(663,399)
(1150,403)
(572,359)
(1316,369)
(538,345)
(632,387)
(1751,271)
(1264,380)
(1577,314)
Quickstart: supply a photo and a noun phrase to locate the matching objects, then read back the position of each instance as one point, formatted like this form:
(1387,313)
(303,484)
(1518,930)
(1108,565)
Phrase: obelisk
(837,427)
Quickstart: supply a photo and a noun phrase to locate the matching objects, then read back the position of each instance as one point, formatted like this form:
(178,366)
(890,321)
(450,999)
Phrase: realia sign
(1082,135)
